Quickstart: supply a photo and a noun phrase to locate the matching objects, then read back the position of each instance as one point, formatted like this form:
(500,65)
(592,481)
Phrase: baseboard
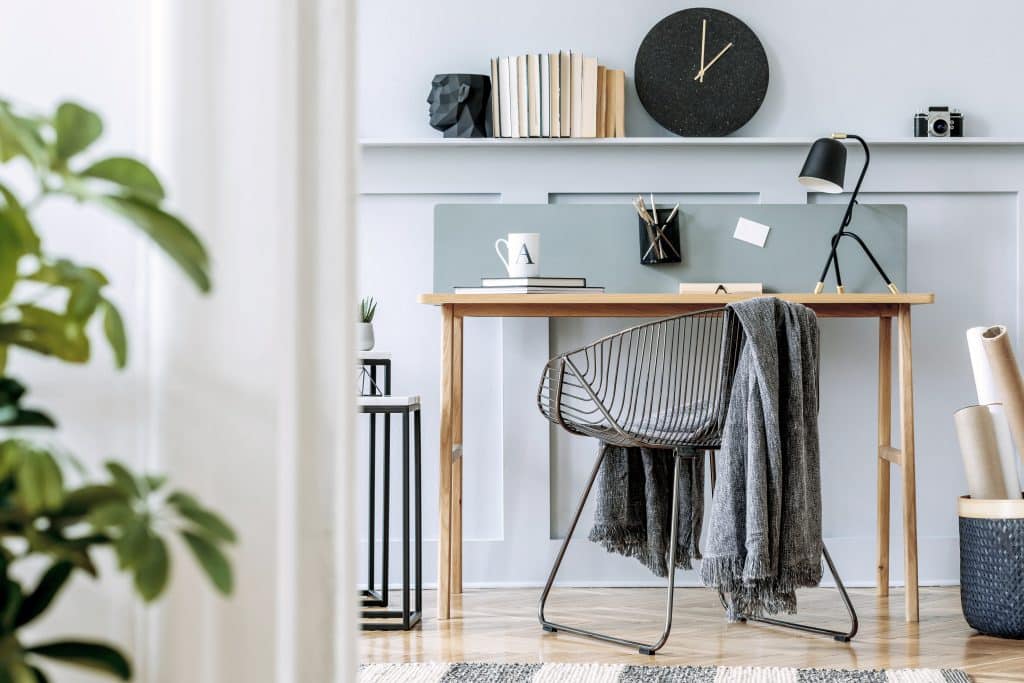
(587,565)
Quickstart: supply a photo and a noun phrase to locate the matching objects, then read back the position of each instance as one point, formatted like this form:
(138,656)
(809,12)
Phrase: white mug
(523,254)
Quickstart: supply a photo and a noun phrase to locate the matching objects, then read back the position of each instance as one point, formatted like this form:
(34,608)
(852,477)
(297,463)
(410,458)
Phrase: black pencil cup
(660,243)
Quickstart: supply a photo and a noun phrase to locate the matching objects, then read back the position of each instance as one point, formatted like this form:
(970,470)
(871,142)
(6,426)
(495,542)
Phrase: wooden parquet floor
(499,625)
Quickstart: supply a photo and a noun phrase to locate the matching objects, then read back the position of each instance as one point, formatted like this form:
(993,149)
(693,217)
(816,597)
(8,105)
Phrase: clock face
(701,72)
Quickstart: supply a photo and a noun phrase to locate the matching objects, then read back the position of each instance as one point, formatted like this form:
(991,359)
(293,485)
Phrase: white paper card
(751,231)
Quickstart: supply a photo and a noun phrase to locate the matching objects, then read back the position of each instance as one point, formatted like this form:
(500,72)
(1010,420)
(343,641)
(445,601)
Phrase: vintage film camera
(939,122)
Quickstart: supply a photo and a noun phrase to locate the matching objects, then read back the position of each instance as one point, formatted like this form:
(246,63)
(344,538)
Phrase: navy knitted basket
(992,566)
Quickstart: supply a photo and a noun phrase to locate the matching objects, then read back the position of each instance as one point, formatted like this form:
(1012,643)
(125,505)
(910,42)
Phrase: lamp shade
(825,167)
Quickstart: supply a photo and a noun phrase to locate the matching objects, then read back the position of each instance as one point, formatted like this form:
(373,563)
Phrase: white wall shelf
(674,142)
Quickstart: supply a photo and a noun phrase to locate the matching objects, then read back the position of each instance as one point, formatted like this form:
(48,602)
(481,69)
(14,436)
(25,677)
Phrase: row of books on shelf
(558,95)
(531,285)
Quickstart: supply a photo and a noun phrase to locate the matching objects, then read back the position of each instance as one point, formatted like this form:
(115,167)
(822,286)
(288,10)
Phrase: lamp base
(840,289)
(893,288)
(818,287)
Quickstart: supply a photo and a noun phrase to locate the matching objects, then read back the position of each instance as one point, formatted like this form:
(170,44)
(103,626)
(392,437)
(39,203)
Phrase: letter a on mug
(523,254)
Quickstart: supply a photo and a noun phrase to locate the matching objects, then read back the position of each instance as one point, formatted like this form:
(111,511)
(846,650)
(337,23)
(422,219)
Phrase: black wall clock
(701,72)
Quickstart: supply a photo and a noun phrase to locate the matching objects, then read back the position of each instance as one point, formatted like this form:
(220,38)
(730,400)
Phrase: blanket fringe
(756,597)
(633,543)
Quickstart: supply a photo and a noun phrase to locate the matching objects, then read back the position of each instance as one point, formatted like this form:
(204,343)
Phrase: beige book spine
(565,92)
(617,104)
(589,129)
(495,111)
(602,99)
(554,96)
(577,95)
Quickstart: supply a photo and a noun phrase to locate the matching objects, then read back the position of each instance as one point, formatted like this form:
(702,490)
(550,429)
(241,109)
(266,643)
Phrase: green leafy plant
(48,301)
(367,309)
(50,509)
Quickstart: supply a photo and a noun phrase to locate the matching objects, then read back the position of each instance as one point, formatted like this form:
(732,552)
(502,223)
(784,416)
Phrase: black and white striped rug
(621,673)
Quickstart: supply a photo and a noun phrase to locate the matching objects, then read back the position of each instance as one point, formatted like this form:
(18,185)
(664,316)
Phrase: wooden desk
(885,307)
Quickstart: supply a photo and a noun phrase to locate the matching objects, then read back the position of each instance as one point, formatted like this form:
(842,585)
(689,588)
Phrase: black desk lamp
(824,171)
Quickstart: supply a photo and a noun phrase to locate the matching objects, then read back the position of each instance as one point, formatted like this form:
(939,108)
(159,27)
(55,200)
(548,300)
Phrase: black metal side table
(411,612)
(368,362)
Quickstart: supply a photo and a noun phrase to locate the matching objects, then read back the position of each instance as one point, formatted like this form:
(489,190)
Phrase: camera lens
(940,126)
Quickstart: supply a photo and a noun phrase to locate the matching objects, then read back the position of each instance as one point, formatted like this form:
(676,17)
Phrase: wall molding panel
(522,479)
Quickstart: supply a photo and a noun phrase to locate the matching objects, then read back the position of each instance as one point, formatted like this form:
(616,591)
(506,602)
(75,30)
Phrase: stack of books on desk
(531,285)
(556,95)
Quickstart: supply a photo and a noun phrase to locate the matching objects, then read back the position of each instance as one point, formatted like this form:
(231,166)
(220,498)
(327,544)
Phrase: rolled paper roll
(1008,380)
(984,382)
(979,447)
(1007,455)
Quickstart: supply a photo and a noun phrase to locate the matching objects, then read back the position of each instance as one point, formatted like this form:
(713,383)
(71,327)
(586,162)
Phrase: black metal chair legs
(643,648)
(651,648)
(839,636)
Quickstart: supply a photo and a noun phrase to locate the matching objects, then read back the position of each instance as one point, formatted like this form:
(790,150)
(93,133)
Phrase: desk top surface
(604,300)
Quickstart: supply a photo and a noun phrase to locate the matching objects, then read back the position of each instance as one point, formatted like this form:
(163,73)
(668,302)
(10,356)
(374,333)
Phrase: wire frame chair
(664,384)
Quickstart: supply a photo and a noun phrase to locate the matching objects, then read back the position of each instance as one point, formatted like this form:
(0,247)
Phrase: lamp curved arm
(848,216)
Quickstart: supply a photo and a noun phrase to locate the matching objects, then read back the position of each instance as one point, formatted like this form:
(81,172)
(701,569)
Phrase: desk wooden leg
(456,515)
(884,443)
(444,501)
(907,458)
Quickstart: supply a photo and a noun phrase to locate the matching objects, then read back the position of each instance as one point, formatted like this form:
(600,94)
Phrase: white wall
(835,65)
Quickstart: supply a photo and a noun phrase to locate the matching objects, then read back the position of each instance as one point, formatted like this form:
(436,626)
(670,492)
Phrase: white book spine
(513,97)
(564,93)
(504,102)
(545,97)
(555,97)
(524,97)
(533,88)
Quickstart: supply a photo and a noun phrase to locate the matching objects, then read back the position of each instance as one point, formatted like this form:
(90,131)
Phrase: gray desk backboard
(600,242)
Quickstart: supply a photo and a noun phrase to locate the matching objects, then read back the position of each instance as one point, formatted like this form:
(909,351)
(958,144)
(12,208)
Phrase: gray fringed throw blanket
(765,530)
(634,506)
(764,539)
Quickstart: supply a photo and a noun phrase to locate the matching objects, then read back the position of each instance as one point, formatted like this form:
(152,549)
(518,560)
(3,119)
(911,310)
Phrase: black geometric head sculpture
(459,104)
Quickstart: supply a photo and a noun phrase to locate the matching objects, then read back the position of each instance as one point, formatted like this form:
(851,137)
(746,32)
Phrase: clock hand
(703,34)
(700,74)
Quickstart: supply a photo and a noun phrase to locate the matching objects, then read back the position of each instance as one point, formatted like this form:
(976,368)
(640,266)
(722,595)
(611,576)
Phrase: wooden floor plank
(501,626)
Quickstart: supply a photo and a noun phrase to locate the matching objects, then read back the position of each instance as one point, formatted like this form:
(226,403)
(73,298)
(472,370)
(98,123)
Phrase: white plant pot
(364,336)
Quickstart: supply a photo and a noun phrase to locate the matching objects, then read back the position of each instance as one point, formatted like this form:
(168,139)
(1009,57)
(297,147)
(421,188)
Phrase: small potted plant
(364,329)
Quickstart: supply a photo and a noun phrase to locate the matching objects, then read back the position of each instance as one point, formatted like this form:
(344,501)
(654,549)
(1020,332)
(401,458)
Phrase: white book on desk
(529,290)
(537,281)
